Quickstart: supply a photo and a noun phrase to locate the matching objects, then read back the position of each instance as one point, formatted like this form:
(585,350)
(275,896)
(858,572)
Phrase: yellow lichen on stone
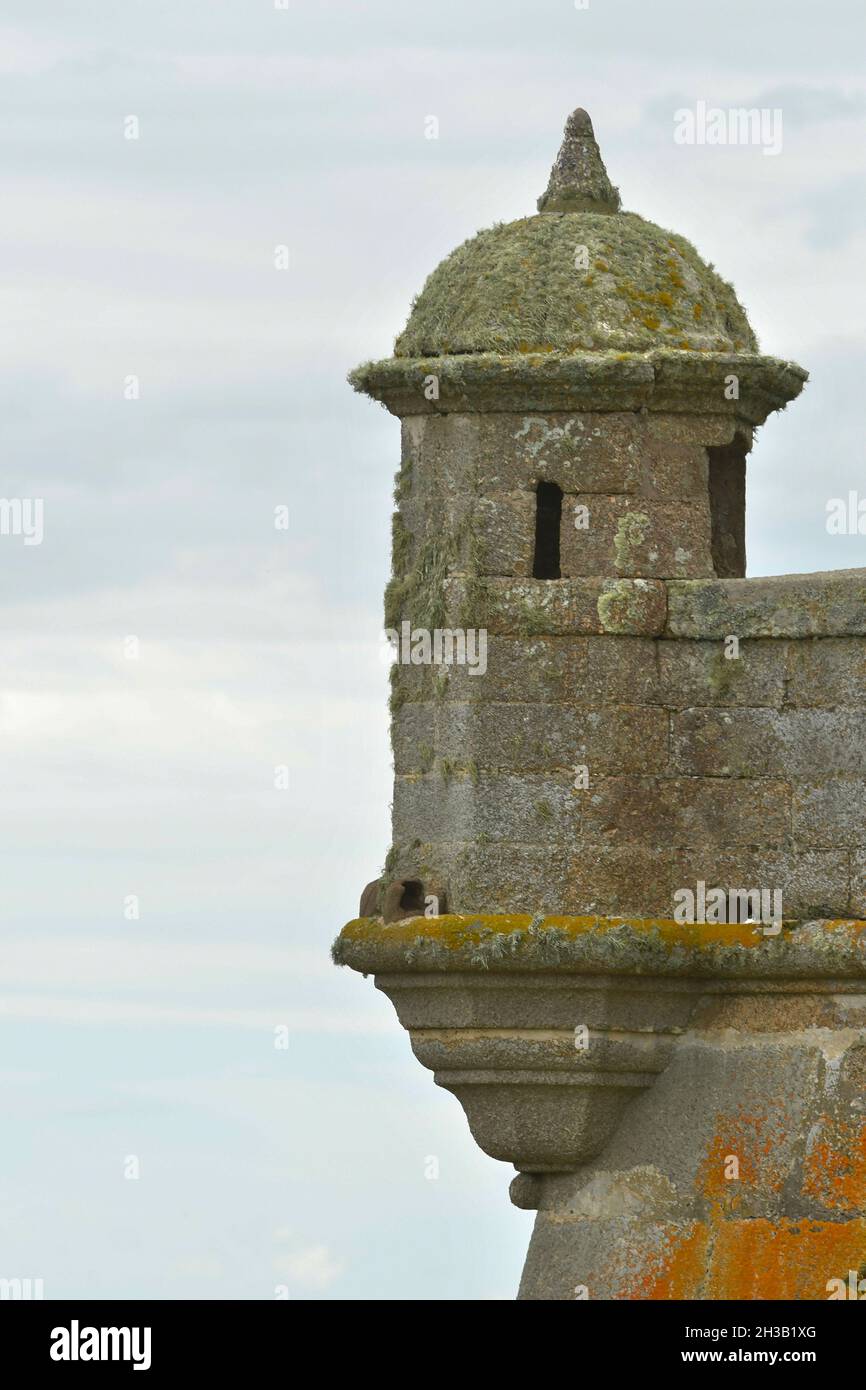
(456,930)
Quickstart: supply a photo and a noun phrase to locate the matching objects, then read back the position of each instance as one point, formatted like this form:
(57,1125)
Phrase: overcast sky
(152,774)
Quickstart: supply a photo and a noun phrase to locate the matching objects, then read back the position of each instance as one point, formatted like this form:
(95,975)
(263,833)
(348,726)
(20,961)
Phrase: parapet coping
(829,603)
(515,943)
(664,380)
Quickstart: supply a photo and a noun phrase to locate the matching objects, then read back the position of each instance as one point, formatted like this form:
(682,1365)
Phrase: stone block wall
(772,1078)
(740,764)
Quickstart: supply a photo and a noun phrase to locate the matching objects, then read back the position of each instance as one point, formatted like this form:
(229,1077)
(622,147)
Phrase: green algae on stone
(826,604)
(632,607)
(631,532)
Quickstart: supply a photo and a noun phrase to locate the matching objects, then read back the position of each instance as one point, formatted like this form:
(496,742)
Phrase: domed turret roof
(580,276)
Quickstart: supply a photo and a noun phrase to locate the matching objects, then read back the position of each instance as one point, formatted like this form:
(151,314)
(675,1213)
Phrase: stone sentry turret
(653,751)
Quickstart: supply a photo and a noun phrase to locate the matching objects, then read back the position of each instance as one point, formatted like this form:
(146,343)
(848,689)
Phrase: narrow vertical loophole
(548,515)
(727,480)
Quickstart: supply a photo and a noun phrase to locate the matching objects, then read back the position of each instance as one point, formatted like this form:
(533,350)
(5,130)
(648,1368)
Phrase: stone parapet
(827,604)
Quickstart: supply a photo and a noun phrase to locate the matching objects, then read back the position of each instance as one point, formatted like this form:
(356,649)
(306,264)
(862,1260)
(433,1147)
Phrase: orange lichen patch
(762,1259)
(454,930)
(754,1140)
(742,1260)
(834,1169)
(852,925)
(674,1266)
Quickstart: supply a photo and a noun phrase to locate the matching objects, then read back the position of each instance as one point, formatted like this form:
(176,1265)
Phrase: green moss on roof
(522,287)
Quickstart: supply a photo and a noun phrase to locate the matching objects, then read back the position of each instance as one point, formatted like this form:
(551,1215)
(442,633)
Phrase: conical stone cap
(578,180)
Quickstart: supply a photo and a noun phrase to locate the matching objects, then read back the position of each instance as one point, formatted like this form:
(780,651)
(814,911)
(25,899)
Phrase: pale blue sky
(154,777)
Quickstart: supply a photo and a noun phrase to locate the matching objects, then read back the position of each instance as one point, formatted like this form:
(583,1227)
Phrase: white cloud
(312,1267)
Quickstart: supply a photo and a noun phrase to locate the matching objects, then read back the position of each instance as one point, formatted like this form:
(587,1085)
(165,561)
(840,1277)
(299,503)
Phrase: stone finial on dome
(578,180)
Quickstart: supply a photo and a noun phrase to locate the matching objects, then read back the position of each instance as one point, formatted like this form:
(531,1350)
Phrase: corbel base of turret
(685,1105)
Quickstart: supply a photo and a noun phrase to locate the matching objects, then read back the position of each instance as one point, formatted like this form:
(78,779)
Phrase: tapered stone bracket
(545,1031)
(545,1063)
